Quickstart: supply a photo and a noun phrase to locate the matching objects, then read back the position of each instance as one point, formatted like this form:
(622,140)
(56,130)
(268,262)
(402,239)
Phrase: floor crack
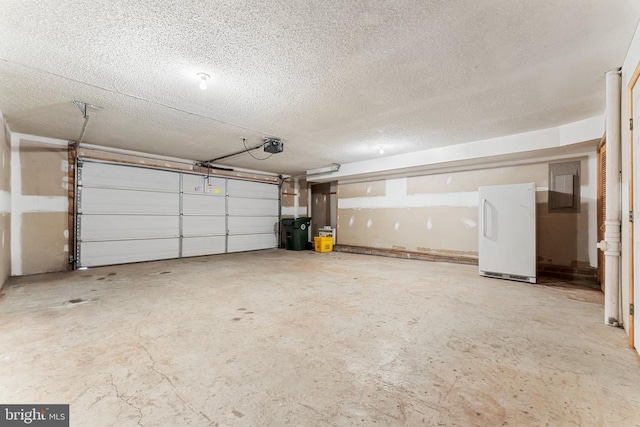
(175,390)
(448,391)
(126,400)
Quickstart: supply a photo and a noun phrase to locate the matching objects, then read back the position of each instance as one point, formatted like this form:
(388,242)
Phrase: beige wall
(44,242)
(5,204)
(294,198)
(294,201)
(363,189)
(43,169)
(438,214)
(40,214)
(320,207)
(303,194)
(288,194)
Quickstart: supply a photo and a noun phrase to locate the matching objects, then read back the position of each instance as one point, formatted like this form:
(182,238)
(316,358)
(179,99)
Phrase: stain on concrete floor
(408,343)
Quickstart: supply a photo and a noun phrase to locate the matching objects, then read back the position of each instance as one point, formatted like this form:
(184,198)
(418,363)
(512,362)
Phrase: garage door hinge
(631,309)
(630,124)
(630,216)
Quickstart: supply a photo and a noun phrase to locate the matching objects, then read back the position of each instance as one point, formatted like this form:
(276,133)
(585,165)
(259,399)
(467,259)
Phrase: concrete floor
(299,338)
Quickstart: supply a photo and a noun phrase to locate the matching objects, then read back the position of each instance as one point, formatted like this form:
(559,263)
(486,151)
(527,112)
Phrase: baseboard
(423,256)
(586,275)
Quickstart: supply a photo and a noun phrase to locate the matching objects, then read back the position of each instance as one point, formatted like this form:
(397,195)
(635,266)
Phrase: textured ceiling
(334,79)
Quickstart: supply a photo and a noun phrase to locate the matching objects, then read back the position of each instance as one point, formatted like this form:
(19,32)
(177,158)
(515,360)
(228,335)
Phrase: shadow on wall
(562,237)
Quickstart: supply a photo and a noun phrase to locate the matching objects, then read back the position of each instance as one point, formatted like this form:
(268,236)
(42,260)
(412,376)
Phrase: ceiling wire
(132,96)
(248,151)
(83,106)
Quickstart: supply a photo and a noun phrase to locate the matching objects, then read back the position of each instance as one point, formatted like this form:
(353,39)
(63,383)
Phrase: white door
(507,232)
(635,94)
(126,214)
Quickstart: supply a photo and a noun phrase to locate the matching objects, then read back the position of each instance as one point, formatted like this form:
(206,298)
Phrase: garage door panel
(198,184)
(203,205)
(120,227)
(252,225)
(129,177)
(252,207)
(251,242)
(253,215)
(254,190)
(109,201)
(196,246)
(132,214)
(125,251)
(203,226)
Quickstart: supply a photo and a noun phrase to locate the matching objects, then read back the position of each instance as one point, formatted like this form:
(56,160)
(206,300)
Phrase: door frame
(631,328)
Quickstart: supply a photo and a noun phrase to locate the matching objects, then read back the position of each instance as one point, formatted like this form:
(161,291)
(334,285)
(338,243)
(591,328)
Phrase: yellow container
(323,244)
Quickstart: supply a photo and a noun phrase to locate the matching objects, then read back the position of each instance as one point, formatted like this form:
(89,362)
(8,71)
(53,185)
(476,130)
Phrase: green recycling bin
(296,233)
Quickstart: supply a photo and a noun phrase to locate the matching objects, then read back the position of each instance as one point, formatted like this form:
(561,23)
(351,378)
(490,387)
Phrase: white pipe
(611,243)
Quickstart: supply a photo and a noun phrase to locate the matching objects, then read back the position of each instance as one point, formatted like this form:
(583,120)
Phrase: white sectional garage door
(253,215)
(127,214)
(130,214)
(204,222)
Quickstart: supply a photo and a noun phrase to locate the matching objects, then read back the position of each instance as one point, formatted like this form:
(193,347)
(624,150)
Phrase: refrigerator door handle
(484,217)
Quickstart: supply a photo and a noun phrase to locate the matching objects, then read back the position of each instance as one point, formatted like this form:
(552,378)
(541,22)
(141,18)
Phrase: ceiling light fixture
(381,150)
(203,80)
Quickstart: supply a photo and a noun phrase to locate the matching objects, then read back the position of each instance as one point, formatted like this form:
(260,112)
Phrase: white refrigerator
(507,232)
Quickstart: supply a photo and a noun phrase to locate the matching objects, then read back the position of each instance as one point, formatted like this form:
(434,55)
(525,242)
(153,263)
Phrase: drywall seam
(288,211)
(5,202)
(16,214)
(292,211)
(396,188)
(397,198)
(41,139)
(30,204)
(468,199)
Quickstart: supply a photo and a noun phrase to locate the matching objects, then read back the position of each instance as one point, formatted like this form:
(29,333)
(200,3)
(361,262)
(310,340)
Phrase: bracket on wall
(83,106)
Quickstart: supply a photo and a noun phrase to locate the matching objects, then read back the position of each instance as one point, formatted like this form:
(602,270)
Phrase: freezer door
(507,232)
